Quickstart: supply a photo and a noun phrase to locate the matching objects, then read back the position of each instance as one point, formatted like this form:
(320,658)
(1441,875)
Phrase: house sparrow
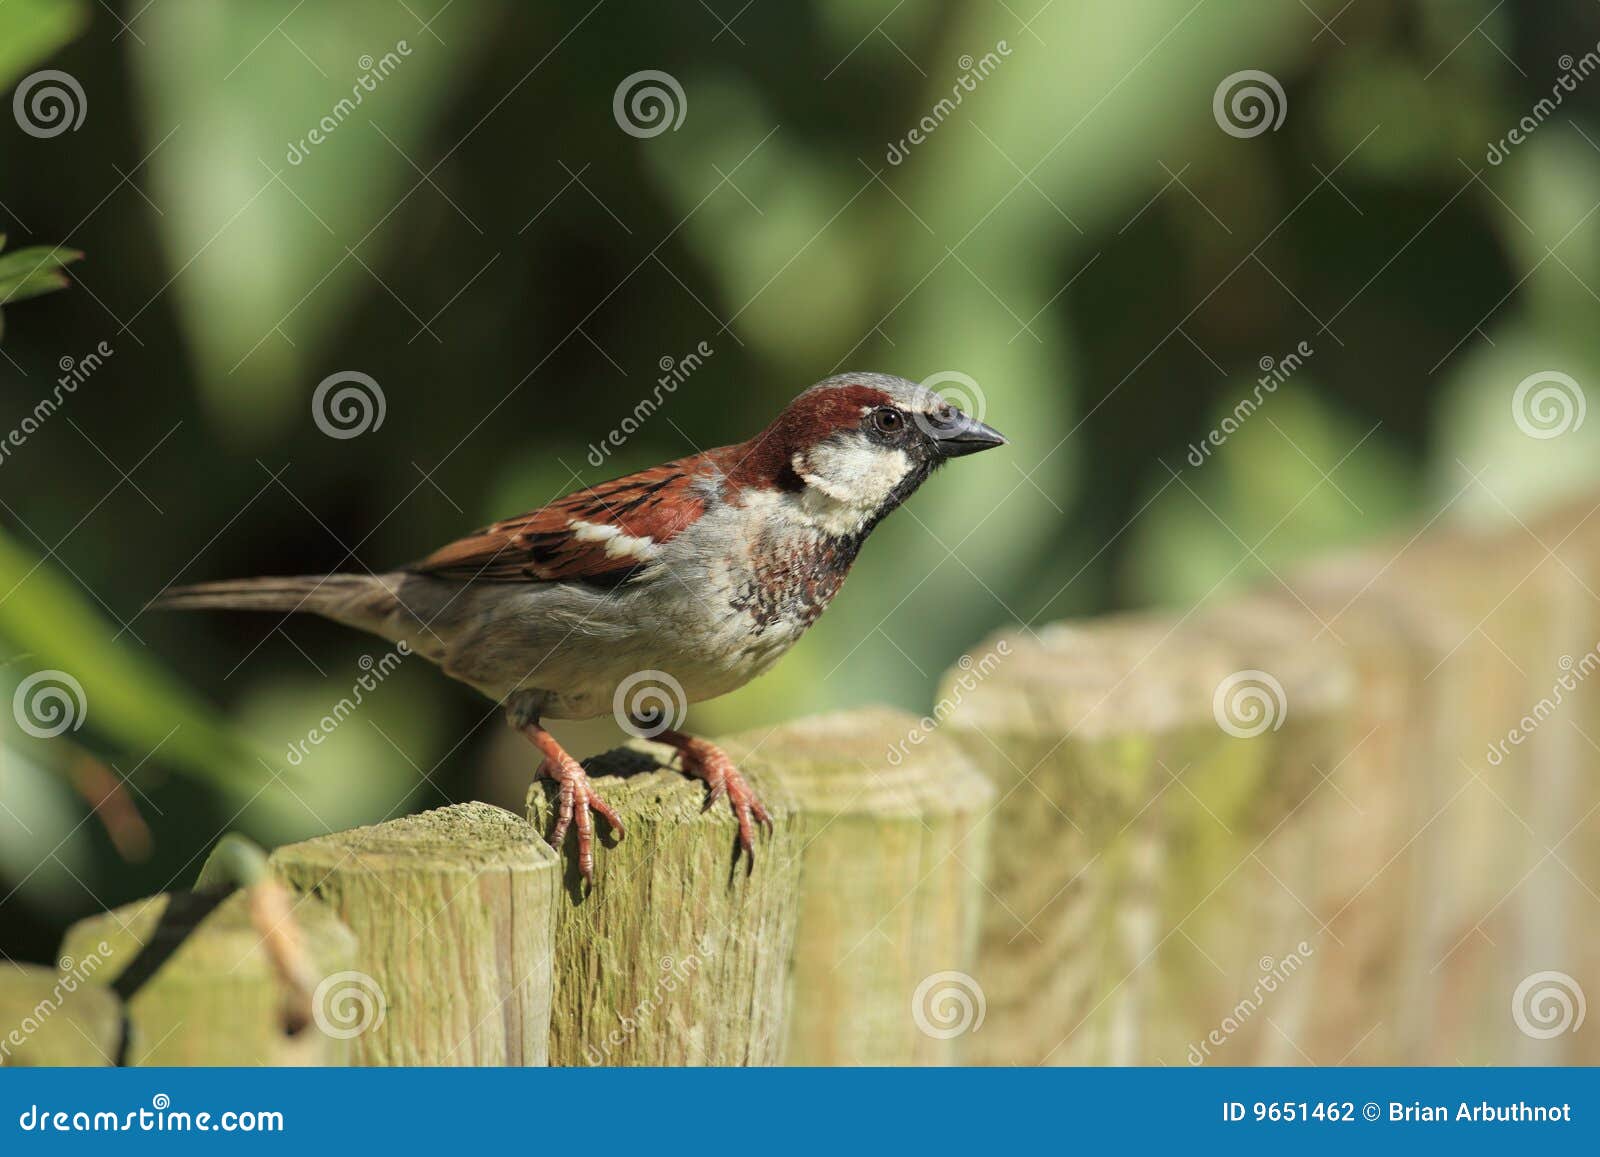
(707,568)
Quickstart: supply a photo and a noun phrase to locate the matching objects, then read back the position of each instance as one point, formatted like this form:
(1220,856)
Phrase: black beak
(954,434)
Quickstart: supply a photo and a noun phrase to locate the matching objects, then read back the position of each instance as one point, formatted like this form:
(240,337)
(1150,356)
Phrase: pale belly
(570,653)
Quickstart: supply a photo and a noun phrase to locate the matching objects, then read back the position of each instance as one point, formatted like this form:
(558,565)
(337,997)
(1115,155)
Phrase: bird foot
(576,799)
(709,762)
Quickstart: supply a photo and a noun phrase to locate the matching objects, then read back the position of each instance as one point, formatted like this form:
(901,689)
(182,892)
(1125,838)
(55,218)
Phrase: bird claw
(710,763)
(576,799)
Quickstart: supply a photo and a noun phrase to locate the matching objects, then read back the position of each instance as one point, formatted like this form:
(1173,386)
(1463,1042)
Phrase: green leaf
(30,272)
(32,30)
(129,701)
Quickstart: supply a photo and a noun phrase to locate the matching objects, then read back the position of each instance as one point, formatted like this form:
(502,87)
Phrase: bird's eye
(888,421)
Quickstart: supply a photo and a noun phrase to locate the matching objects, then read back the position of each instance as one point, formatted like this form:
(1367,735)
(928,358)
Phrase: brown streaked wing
(541,546)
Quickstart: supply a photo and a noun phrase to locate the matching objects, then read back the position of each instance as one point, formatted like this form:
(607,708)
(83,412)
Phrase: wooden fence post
(1131,899)
(454,912)
(1471,867)
(677,955)
(198,985)
(58,1016)
(895,845)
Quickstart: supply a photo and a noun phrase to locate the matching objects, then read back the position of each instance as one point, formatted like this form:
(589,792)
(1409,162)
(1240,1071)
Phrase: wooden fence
(1350,818)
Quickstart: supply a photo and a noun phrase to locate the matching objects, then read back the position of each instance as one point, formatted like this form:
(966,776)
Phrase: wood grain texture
(454,911)
(197,985)
(896,840)
(1129,908)
(57,1016)
(676,955)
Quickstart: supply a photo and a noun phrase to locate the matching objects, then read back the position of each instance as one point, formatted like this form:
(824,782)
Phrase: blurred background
(1055,208)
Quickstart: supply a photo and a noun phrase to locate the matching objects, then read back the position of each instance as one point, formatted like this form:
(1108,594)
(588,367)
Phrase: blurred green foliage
(1079,236)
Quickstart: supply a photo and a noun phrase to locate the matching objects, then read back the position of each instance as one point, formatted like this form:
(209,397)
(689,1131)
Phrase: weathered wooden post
(454,911)
(199,985)
(1460,880)
(677,955)
(895,843)
(58,1016)
(1139,766)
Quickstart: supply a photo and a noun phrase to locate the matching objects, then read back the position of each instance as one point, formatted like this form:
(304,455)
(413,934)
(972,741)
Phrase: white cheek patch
(846,480)
(618,545)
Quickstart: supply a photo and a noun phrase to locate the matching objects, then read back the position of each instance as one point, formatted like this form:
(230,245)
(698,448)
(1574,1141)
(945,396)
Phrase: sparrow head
(855,446)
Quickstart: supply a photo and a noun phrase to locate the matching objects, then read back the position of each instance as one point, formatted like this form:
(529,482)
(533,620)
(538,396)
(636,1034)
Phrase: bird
(704,570)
